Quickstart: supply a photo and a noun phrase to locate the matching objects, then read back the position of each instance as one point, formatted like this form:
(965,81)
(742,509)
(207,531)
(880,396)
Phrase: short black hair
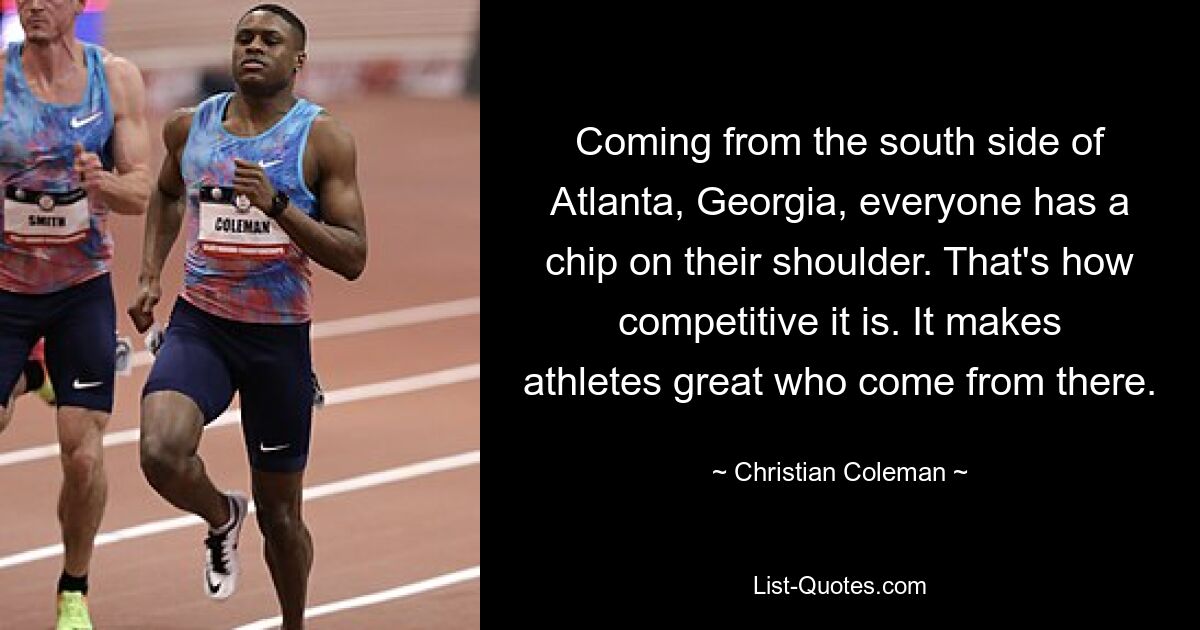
(284,13)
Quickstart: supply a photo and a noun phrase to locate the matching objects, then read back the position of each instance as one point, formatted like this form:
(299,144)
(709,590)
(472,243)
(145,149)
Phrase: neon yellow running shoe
(73,611)
(46,392)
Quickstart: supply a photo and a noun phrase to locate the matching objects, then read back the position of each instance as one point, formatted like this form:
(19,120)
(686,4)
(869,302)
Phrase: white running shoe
(221,568)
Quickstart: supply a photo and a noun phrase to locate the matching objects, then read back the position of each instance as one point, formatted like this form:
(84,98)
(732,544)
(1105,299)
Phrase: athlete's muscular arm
(126,190)
(163,219)
(339,240)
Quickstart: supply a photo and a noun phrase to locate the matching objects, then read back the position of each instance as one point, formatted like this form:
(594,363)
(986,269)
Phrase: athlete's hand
(90,171)
(251,180)
(142,309)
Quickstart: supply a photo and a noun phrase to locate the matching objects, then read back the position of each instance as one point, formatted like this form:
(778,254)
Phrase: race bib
(33,217)
(231,227)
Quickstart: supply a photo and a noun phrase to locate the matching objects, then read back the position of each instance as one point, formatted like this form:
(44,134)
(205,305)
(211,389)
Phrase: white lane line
(405,385)
(375,321)
(400,473)
(401,317)
(416,588)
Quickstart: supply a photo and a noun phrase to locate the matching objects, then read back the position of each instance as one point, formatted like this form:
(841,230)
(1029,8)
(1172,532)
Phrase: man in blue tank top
(74,149)
(263,181)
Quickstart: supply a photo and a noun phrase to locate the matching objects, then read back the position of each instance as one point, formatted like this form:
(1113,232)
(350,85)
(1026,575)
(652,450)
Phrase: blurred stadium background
(393,499)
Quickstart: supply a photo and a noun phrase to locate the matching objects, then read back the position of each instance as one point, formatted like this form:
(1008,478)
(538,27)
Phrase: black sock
(34,376)
(71,583)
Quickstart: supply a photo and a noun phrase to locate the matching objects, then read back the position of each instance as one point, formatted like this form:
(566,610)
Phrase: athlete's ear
(301,57)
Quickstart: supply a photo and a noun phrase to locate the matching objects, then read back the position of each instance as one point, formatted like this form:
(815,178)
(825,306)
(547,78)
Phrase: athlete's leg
(171,427)
(79,356)
(277,425)
(85,488)
(188,387)
(287,542)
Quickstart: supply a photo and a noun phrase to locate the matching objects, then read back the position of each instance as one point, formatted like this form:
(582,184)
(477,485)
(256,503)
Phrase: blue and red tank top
(240,264)
(53,237)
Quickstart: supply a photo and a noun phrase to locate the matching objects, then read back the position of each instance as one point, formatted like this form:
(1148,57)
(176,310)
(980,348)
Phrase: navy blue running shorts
(208,358)
(79,324)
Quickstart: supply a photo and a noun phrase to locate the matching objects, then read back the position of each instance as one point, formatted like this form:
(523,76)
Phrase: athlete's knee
(161,461)
(279,520)
(167,439)
(82,462)
(163,456)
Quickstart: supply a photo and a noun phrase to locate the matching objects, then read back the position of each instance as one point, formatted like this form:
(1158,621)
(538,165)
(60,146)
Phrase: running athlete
(74,148)
(263,181)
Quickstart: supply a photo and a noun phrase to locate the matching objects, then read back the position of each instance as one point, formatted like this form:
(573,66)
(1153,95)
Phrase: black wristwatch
(278,204)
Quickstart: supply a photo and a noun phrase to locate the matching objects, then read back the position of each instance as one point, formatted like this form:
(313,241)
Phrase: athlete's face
(266,53)
(48,20)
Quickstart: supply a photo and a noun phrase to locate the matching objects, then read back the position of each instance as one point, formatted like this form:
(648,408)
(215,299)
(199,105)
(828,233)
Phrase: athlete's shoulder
(329,134)
(179,122)
(109,59)
(333,145)
(177,126)
(118,66)
(122,74)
